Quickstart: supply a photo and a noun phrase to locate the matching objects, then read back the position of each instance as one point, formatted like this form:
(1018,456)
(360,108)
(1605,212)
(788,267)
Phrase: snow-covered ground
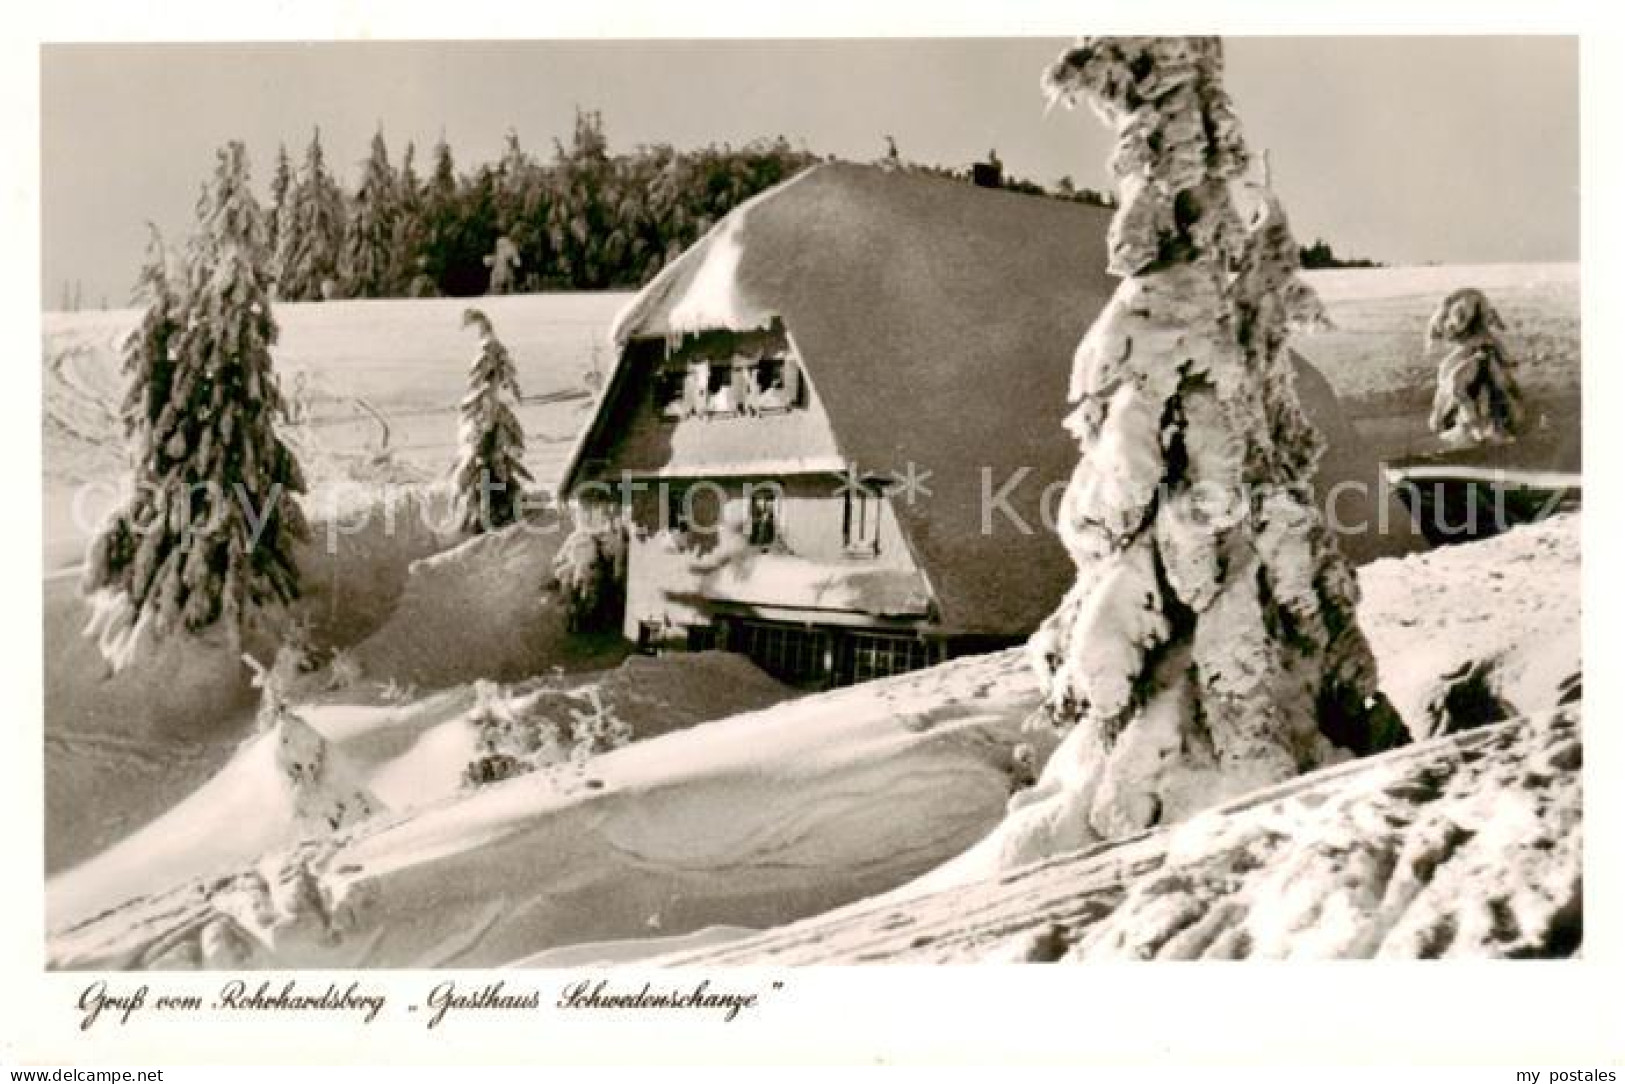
(780,814)
(207,853)
(749,821)
(407,360)
(1466,846)
(1375,357)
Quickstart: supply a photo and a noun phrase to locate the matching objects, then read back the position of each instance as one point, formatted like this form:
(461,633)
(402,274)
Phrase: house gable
(935,322)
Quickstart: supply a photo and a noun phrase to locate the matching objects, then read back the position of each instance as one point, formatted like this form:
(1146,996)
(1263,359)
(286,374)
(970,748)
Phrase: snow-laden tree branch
(1209,645)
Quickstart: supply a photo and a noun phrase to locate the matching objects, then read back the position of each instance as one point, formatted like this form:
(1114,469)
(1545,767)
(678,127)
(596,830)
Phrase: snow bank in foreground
(1466,846)
(753,821)
(162,727)
(1462,636)
(765,818)
(281,786)
(1472,634)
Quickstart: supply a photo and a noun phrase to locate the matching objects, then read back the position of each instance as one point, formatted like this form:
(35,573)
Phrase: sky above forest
(1401,149)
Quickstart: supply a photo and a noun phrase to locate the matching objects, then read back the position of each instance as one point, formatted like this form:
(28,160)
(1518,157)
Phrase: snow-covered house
(834,423)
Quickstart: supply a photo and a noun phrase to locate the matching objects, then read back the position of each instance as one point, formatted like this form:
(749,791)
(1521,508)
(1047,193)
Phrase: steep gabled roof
(937,323)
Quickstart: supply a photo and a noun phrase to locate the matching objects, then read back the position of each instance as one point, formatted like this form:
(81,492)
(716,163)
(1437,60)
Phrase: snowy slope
(375,758)
(284,785)
(1374,356)
(760,819)
(1473,634)
(750,821)
(407,360)
(1464,846)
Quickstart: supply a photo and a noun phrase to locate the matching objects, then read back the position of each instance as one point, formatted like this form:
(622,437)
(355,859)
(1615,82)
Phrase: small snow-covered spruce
(595,730)
(394,691)
(491,475)
(206,538)
(589,570)
(503,260)
(326,795)
(499,741)
(1209,646)
(274,683)
(513,738)
(1477,398)
(343,670)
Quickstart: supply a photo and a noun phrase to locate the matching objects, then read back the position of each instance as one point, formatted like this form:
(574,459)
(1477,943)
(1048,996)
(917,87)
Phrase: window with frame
(764,517)
(720,395)
(860,521)
(677,519)
(670,392)
(777,383)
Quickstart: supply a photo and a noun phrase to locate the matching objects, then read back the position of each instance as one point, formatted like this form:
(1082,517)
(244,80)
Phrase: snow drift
(757,820)
(1465,846)
(162,727)
(332,760)
(481,610)
(750,821)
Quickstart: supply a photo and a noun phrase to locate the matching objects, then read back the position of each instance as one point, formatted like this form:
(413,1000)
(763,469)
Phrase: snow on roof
(937,323)
(697,292)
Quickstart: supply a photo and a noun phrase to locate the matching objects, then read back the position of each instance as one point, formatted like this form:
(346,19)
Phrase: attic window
(669,389)
(723,388)
(757,380)
(777,384)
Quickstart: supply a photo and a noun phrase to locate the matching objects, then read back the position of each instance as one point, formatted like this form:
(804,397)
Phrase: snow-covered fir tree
(1476,398)
(148,352)
(491,474)
(503,262)
(407,248)
(1209,645)
(589,570)
(368,265)
(311,240)
(206,538)
(441,216)
(281,203)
